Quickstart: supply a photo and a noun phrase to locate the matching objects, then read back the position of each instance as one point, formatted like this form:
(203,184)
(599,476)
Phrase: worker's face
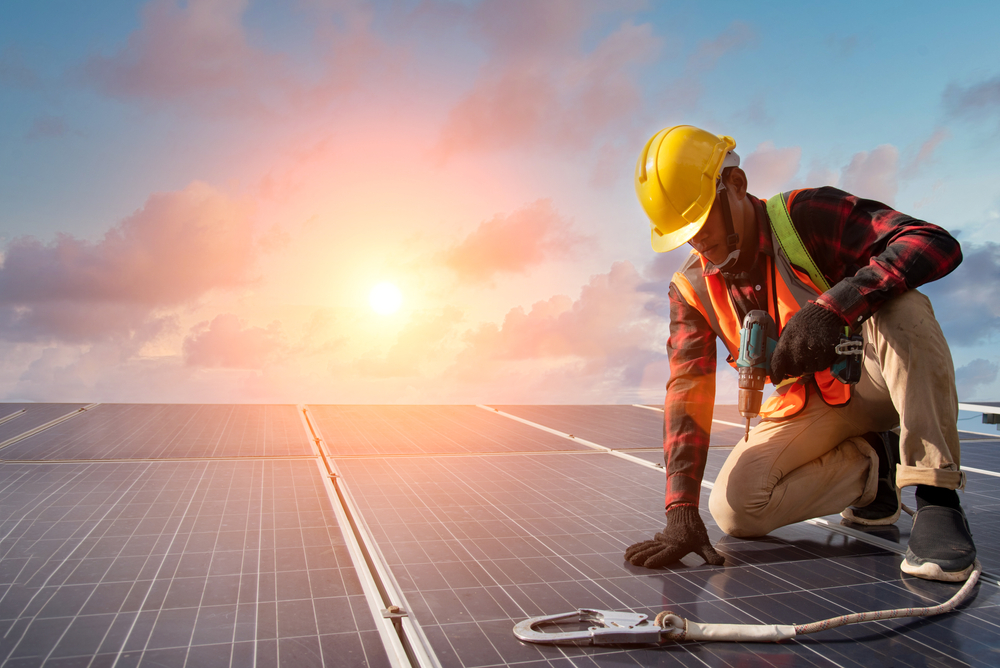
(711,238)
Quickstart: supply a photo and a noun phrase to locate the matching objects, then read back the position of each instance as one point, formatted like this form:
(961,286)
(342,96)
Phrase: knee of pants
(734,520)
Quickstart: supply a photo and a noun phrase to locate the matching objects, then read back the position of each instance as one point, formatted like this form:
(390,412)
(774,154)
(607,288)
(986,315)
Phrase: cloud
(977,101)
(821,175)
(512,244)
(195,51)
(967,301)
(228,343)
(737,35)
(598,345)
(873,175)
(540,86)
(175,249)
(199,54)
(770,169)
(604,346)
(978,372)
(424,340)
(681,96)
(925,155)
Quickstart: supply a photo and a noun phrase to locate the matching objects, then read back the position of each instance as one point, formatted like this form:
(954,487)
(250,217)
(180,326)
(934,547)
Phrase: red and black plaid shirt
(868,252)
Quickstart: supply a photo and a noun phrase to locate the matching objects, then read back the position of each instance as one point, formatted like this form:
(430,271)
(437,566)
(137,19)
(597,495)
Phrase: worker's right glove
(807,343)
(685,533)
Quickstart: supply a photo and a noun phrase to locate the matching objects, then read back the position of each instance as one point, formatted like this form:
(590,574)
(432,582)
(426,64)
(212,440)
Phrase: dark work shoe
(884,509)
(940,546)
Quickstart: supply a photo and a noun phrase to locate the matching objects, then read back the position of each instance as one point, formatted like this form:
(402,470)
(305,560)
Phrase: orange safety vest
(710,296)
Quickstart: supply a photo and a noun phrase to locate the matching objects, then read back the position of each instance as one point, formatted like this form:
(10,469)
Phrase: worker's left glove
(807,343)
(685,533)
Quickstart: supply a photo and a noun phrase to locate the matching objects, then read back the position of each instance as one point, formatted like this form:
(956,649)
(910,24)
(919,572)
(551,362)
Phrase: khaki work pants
(817,462)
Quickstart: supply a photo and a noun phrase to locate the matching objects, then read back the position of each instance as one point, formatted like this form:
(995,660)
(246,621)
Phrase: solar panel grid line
(583,441)
(758,617)
(171,586)
(881,595)
(838,605)
(155,460)
(986,577)
(184,554)
(526,612)
(499,507)
(6,486)
(437,575)
(47,425)
(53,571)
(472,557)
(139,431)
(7,418)
(993,474)
(394,430)
(244,576)
(660,410)
(479,432)
(987,438)
(301,503)
(163,562)
(395,651)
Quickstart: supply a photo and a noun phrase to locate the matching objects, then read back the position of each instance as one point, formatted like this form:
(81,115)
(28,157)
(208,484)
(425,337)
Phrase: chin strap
(732,239)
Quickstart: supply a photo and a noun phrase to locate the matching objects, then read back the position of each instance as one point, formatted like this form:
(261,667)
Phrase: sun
(385,298)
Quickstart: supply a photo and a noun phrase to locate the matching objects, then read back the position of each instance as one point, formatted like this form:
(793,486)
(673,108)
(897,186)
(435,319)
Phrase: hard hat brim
(663,243)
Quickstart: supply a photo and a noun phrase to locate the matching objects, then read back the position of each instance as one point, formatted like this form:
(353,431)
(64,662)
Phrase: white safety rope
(677,628)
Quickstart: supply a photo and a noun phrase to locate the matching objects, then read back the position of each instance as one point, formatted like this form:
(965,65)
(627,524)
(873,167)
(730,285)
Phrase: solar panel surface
(207,535)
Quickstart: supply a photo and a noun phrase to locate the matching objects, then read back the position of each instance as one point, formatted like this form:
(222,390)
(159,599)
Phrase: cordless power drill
(758,339)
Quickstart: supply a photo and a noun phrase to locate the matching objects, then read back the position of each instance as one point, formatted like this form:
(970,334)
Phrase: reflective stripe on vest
(709,295)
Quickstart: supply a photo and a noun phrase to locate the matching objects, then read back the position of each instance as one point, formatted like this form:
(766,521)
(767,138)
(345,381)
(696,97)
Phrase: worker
(822,446)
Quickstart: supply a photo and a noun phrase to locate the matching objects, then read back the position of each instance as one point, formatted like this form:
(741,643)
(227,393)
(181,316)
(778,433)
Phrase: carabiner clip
(854,345)
(613,628)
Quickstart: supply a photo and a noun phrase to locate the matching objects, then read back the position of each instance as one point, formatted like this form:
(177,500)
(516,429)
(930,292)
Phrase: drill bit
(747,436)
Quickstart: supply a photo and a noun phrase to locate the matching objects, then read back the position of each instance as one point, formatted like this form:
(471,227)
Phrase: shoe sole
(931,571)
(848,514)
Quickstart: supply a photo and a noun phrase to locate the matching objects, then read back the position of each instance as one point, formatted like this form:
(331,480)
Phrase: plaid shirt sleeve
(687,411)
(869,252)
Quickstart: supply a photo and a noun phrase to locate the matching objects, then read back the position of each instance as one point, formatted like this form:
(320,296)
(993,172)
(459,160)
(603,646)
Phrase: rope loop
(674,627)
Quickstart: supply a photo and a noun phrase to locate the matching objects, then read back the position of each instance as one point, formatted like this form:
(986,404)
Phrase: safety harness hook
(612,628)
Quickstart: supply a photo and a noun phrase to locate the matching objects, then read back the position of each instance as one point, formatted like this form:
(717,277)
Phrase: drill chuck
(751,391)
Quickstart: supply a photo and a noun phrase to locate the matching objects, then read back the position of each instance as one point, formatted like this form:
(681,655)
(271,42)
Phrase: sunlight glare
(385,298)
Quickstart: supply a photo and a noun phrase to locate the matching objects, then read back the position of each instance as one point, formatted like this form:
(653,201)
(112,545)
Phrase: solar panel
(221,563)
(151,431)
(411,430)
(17,419)
(209,536)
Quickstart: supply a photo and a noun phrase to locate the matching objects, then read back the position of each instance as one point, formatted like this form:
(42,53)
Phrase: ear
(737,181)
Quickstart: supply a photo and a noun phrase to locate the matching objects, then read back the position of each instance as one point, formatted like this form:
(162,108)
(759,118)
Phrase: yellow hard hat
(675,180)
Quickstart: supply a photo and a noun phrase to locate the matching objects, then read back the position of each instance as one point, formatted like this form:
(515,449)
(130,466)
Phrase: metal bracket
(394,612)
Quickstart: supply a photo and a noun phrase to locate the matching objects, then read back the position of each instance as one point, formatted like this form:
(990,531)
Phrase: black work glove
(685,533)
(806,345)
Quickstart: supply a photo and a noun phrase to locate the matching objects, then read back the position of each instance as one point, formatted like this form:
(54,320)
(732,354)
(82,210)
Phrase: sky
(197,197)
